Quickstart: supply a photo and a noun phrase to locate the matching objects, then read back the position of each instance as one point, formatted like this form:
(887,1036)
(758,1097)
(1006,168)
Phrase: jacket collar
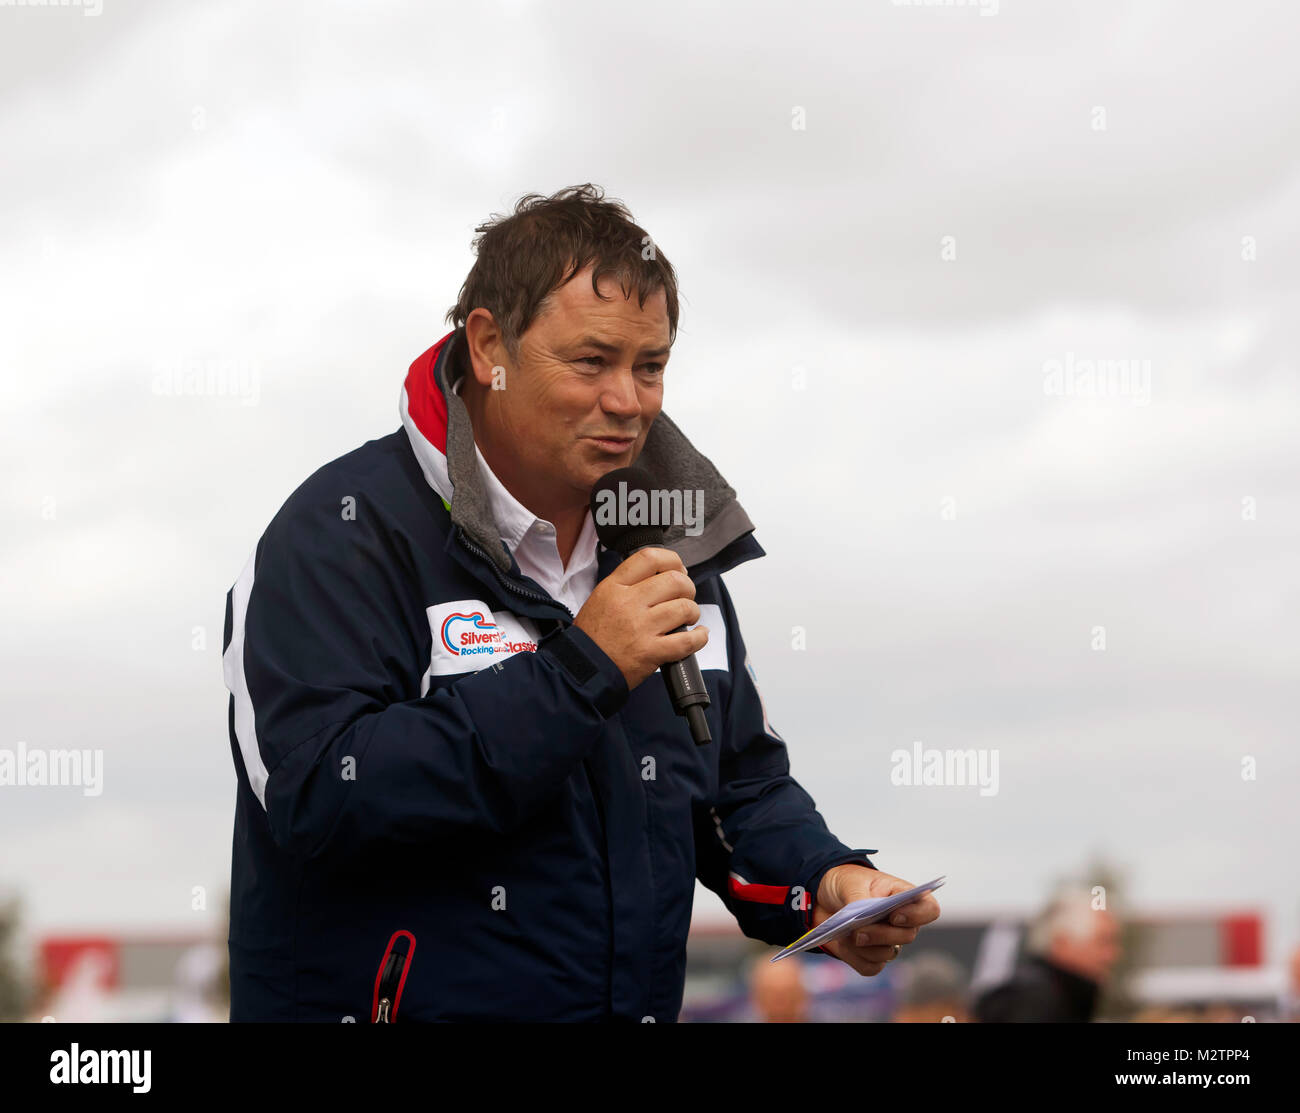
(438,427)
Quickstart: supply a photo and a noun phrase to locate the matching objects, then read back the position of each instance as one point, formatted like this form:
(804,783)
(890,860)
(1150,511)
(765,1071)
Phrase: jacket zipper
(393,969)
(526,593)
(505,580)
(519,589)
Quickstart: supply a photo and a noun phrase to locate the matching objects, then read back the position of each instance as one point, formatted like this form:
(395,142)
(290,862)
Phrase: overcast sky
(893,225)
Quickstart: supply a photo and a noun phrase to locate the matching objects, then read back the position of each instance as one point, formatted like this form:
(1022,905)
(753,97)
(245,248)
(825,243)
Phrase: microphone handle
(688,694)
(685,685)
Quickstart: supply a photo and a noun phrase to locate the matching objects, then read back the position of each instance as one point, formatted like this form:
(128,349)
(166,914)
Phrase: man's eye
(599,361)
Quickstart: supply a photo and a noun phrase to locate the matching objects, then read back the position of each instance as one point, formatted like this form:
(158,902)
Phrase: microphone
(620,507)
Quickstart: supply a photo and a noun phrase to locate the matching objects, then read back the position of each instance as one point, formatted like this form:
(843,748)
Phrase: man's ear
(486,346)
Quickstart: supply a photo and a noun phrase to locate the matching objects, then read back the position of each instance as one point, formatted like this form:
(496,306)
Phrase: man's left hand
(868,948)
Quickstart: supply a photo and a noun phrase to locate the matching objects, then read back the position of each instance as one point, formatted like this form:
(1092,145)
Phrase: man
(1289,1007)
(461,794)
(932,990)
(1070,951)
(777,994)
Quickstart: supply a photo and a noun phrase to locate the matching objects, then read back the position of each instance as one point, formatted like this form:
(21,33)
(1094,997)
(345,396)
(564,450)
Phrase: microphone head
(619,511)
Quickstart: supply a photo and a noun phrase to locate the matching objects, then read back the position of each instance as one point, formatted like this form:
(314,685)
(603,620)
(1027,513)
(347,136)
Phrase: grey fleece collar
(674,462)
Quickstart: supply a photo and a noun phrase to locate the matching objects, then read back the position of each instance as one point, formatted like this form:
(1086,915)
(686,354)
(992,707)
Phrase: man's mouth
(614,444)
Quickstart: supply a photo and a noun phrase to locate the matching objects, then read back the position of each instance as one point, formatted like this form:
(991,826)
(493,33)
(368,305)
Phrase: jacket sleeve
(762,846)
(325,648)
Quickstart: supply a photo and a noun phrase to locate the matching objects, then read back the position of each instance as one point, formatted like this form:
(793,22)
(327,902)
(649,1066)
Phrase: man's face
(1095,955)
(777,992)
(584,390)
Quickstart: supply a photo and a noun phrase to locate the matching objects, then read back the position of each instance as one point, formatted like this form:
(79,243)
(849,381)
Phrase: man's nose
(619,397)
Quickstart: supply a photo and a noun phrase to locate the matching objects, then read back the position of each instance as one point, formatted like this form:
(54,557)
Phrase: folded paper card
(855,915)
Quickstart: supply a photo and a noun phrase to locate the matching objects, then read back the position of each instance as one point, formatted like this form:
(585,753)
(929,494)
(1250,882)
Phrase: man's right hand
(632,610)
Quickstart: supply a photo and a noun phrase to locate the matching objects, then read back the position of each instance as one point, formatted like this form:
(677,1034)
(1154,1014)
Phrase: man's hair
(1069,912)
(931,978)
(524,257)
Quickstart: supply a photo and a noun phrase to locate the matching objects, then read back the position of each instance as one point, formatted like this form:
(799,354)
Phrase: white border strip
(232,664)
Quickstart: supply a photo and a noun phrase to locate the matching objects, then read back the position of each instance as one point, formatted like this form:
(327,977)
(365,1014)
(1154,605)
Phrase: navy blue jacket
(450,807)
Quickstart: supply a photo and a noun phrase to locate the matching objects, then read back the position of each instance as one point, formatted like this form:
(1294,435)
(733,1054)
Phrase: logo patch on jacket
(468,636)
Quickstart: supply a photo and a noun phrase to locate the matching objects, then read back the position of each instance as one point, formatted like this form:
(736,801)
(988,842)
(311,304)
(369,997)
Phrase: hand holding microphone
(639,613)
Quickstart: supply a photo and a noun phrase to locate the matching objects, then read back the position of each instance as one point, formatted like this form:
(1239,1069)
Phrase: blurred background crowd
(1076,960)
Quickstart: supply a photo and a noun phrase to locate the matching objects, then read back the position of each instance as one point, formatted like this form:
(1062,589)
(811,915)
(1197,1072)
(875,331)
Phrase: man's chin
(593,476)
(597,463)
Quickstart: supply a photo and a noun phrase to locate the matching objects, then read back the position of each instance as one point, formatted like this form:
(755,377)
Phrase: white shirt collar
(520,529)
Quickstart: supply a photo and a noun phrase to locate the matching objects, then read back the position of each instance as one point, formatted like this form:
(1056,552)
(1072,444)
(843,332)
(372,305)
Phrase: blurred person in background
(777,993)
(1290,1009)
(198,990)
(1070,950)
(933,989)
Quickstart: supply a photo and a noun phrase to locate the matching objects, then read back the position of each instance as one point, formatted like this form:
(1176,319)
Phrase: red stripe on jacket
(424,401)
